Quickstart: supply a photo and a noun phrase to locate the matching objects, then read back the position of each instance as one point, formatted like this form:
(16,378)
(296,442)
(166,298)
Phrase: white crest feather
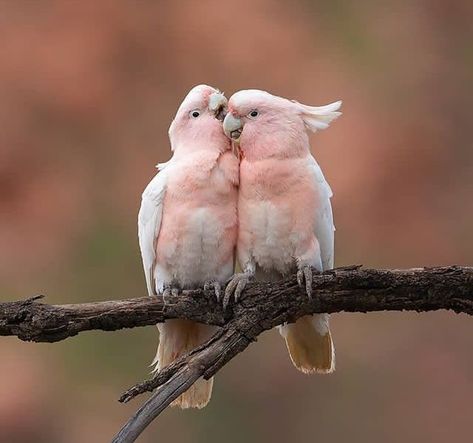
(319,117)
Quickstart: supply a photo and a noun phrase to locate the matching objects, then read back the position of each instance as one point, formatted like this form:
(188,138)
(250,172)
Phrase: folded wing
(149,224)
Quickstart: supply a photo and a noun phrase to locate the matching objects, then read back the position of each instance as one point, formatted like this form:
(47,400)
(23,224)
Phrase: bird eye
(253,113)
(195,113)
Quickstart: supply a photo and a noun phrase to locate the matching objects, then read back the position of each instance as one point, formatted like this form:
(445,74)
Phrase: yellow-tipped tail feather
(310,344)
(177,337)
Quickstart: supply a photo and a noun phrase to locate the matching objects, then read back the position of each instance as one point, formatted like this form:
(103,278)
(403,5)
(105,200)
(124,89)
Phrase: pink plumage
(284,210)
(187,223)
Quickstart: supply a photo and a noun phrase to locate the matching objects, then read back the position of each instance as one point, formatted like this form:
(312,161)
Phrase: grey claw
(226,299)
(235,288)
(216,286)
(304,277)
(308,281)
(300,277)
(175,292)
(228,293)
(239,289)
(218,290)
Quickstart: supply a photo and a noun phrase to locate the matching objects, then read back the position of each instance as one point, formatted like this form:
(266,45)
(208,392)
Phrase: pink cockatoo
(187,223)
(284,211)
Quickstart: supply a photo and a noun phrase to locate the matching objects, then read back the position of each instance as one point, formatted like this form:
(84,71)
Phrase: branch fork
(261,307)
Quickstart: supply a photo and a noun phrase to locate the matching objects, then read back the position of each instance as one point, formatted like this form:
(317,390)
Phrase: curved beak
(232,127)
(218,105)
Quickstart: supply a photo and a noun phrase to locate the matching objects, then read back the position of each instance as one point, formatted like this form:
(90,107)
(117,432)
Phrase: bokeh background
(88,90)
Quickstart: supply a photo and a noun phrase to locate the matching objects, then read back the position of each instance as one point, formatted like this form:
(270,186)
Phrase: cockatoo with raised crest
(187,223)
(284,210)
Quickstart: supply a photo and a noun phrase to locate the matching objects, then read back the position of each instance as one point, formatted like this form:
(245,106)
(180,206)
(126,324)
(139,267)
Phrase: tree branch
(263,306)
(40,322)
(344,289)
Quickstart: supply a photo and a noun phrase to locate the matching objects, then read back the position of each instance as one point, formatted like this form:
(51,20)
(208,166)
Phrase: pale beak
(218,105)
(232,127)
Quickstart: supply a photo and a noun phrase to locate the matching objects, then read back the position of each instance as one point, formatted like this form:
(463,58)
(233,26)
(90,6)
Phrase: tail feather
(177,337)
(310,345)
(308,340)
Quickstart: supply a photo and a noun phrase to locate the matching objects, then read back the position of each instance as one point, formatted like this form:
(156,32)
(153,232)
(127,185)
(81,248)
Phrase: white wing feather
(149,223)
(324,227)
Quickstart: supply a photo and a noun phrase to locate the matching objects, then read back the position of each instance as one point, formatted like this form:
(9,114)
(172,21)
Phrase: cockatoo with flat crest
(284,211)
(187,223)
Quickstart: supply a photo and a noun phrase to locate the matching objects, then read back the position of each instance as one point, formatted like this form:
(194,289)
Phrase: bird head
(265,125)
(198,121)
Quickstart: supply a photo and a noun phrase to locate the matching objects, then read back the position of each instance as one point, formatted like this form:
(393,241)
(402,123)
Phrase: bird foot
(216,286)
(170,289)
(235,287)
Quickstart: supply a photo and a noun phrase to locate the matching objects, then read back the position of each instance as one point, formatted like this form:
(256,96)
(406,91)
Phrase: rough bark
(266,305)
(40,322)
(348,289)
(263,306)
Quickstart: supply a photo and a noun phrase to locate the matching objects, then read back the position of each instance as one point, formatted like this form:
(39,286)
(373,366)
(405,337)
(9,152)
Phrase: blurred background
(88,90)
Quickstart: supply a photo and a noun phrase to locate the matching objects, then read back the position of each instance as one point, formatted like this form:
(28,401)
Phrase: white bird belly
(195,252)
(273,242)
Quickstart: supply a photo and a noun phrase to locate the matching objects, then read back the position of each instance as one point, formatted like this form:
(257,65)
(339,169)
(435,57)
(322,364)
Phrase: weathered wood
(266,305)
(262,307)
(344,289)
(40,322)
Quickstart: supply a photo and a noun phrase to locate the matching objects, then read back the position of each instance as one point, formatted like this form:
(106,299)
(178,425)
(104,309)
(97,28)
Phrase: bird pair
(268,207)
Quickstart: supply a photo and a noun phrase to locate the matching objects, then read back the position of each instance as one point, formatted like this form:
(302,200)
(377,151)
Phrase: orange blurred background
(88,90)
